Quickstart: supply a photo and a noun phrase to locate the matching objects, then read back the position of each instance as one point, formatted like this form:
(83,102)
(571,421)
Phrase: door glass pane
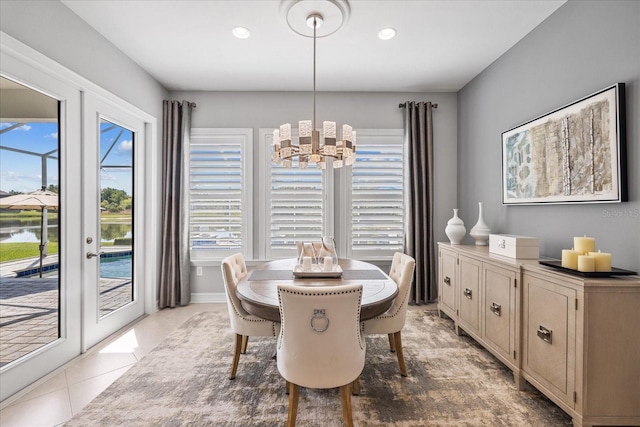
(29,218)
(116,216)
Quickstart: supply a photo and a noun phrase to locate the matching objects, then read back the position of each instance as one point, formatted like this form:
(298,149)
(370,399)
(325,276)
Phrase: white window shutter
(220,192)
(377,196)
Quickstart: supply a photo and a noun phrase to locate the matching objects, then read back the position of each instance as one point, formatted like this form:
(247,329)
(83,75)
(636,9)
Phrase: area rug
(452,382)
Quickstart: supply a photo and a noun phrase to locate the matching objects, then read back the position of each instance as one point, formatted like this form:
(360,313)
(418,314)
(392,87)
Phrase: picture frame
(574,154)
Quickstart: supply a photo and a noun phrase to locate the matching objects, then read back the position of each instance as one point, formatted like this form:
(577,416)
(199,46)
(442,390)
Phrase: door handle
(93,255)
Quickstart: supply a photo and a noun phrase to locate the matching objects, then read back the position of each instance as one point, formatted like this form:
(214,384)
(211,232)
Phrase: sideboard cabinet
(575,339)
(481,296)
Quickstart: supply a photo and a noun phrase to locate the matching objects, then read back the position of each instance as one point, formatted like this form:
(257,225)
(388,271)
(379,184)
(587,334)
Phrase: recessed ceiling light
(387,33)
(241,32)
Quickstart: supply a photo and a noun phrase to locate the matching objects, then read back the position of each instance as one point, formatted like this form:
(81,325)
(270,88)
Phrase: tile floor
(60,395)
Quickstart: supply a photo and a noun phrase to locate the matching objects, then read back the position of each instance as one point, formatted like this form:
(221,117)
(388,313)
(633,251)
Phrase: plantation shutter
(218,183)
(377,197)
(296,208)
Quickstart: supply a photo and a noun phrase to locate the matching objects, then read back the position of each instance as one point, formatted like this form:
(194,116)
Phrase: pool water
(115,268)
(115,265)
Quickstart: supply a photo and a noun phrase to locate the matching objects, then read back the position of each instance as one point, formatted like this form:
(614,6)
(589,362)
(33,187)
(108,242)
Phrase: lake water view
(29,231)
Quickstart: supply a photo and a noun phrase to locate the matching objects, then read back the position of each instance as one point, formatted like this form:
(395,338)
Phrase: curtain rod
(405,104)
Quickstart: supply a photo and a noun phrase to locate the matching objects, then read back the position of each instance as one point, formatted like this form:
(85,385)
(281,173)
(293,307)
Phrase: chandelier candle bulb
(602,260)
(584,244)
(586,263)
(570,258)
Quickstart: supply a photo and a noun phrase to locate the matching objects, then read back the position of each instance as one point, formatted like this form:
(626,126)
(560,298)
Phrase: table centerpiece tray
(557,264)
(298,272)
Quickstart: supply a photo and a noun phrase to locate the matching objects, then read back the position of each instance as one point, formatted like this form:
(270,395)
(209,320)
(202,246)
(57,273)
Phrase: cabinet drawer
(549,336)
(499,309)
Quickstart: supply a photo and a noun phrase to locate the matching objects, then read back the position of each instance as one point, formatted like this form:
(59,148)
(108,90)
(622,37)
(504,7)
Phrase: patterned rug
(452,382)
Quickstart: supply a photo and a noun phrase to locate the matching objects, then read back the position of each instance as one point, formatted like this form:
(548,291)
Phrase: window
(220,182)
(370,206)
(368,198)
(377,196)
(294,204)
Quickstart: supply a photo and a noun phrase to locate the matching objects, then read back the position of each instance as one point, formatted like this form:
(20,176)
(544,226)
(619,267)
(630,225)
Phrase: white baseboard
(208,297)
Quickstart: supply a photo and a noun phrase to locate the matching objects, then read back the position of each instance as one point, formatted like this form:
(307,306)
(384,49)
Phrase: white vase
(455,230)
(480,232)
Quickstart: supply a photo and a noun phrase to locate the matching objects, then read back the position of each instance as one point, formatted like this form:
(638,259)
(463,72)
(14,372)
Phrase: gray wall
(55,31)
(583,47)
(361,110)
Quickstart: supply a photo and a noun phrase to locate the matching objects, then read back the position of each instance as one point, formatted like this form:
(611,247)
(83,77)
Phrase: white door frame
(22,63)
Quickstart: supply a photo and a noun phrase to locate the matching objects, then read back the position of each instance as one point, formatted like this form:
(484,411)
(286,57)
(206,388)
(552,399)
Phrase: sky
(23,173)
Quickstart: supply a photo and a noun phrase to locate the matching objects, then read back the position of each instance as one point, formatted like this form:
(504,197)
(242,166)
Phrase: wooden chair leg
(245,341)
(294,393)
(236,356)
(288,387)
(398,341)
(345,392)
(392,344)
(355,386)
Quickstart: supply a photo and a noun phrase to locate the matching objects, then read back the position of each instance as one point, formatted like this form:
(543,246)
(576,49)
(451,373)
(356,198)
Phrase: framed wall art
(575,154)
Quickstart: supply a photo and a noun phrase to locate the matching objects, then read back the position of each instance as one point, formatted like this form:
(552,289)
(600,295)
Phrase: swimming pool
(113,265)
(116,267)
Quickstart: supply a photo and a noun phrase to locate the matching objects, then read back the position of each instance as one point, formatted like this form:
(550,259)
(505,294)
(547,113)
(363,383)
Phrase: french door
(112,195)
(93,235)
(40,314)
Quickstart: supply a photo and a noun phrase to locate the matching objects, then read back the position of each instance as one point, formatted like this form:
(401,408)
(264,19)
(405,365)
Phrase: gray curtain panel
(174,263)
(418,132)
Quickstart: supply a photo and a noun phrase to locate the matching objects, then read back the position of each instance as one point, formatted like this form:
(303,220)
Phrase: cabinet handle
(495,308)
(447,280)
(467,293)
(544,334)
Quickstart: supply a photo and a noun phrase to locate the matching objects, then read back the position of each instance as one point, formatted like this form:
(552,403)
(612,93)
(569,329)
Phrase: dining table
(258,290)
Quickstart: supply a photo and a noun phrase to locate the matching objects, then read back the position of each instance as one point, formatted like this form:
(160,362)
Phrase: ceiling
(439,46)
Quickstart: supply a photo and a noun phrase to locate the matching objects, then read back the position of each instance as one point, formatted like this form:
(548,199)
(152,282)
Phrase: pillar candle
(306,263)
(328,263)
(570,258)
(584,244)
(586,263)
(603,260)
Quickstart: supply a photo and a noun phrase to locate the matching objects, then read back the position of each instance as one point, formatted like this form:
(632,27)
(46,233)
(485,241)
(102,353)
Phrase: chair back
(320,345)
(234,269)
(401,272)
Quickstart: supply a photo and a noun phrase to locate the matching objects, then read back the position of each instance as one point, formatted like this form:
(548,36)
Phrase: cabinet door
(469,275)
(549,335)
(499,311)
(447,282)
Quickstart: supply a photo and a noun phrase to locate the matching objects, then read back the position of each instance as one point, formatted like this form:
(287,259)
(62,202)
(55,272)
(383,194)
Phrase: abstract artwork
(575,154)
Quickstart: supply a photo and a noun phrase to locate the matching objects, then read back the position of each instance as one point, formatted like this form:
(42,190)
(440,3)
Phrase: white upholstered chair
(392,321)
(243,324)
(320,345)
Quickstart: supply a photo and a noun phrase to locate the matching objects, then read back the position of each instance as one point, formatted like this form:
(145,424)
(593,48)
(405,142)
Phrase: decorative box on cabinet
(581,344)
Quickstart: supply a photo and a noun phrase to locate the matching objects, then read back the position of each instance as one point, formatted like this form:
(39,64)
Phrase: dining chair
(392,321)
(243,324)
(320,345)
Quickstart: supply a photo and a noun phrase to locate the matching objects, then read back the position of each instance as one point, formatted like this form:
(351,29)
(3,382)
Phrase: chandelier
(310,148)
